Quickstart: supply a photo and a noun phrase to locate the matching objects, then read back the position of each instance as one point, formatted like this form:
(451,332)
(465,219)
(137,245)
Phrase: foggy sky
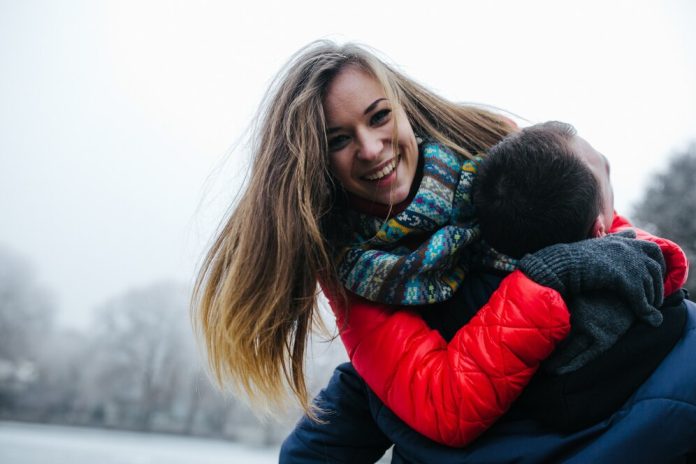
(119,118)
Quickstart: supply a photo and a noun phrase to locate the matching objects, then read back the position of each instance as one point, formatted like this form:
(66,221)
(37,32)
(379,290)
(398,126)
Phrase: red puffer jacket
(452,392)
(677,264)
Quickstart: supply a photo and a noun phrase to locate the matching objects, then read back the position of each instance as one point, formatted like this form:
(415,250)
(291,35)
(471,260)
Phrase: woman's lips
(384,171)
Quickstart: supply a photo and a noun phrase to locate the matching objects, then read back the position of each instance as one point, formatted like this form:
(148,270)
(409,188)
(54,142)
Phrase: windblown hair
(532,191)
(255,296)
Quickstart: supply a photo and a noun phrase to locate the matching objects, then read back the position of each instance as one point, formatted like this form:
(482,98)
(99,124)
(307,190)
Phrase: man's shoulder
(687,345)
(691,318)
(688,339)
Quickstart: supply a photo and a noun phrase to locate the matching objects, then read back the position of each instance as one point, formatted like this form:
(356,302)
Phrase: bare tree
(667,208)
(26,319)
(140,352)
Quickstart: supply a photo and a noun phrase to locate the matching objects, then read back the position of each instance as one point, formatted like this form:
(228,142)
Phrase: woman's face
(360,124)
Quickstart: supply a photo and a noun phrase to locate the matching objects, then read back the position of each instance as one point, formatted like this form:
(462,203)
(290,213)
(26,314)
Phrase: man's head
(541,186)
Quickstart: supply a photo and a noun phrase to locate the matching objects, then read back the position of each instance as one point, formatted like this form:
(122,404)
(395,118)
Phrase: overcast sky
(118,119)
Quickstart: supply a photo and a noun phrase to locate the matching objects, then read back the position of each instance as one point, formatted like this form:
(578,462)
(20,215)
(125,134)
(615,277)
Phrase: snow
(49,444)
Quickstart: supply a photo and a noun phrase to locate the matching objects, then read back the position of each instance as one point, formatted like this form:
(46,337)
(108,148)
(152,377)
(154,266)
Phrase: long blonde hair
(255,296)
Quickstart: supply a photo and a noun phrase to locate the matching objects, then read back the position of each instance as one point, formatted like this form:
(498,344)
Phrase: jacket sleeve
(675,258)
(453,392)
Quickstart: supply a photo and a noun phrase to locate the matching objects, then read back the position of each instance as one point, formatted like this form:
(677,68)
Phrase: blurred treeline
(668,207)
(137,367)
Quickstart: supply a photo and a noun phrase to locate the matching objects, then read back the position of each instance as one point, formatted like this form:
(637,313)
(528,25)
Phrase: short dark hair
(532,191)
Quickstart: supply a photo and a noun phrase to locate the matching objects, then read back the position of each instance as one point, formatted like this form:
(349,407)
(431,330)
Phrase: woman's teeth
(385,171)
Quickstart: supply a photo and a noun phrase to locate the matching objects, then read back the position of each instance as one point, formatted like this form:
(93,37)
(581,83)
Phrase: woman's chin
(399,196)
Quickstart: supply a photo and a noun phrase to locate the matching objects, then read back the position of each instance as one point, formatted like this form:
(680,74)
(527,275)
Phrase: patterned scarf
(379,261)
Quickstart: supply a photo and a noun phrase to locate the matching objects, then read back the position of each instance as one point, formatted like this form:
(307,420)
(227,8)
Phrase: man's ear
(599,229)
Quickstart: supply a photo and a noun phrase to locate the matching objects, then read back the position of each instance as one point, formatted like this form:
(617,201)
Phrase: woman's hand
(618,263)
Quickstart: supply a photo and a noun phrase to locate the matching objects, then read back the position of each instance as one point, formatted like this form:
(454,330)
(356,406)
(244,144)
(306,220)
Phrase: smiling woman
(372,148)
(326,135)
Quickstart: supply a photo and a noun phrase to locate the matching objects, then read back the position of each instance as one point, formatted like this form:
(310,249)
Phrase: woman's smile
(383,171)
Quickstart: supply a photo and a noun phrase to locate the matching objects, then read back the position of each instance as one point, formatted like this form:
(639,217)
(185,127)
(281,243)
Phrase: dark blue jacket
(657,424)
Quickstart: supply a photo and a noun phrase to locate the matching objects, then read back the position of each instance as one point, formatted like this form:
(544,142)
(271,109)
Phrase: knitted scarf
(379,261)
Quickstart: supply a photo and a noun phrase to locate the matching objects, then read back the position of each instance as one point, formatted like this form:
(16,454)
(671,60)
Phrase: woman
(338,133)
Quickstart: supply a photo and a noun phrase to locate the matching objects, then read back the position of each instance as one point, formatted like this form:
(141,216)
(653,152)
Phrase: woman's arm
(453,392)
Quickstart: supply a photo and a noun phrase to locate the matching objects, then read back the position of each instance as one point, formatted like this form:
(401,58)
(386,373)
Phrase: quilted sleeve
(453,392)
(675,258)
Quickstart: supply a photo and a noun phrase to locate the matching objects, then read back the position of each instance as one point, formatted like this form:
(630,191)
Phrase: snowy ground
(49,444)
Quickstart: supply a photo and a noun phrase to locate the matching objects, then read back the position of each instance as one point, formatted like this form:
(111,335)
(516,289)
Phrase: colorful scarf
(379,261)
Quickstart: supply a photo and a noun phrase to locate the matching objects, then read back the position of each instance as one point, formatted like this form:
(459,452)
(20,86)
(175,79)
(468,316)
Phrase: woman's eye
(338,142)
(380,117)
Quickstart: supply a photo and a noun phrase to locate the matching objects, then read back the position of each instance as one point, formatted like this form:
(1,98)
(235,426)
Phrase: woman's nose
(370,148)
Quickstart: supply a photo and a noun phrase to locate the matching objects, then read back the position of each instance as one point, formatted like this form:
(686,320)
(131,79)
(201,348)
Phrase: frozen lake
(49,444)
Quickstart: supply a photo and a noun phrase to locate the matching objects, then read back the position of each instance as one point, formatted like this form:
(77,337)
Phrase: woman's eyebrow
(371,107)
